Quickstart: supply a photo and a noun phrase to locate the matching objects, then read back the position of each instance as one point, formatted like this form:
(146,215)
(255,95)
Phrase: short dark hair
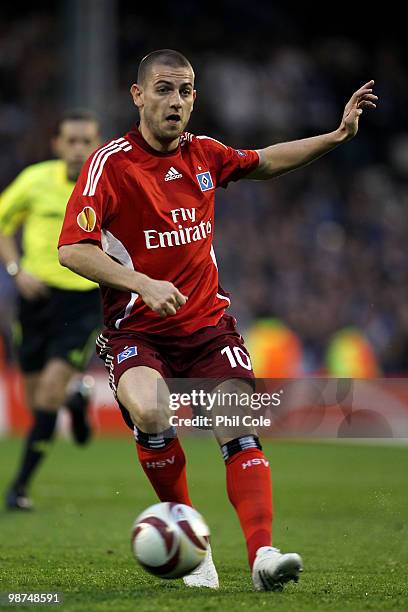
(75,114)
(168,57)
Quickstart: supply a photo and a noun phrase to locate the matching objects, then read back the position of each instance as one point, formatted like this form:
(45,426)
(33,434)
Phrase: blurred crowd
(321,248)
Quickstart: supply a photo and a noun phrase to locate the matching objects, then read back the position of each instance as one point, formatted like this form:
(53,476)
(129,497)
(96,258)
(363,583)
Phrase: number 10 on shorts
(237,356)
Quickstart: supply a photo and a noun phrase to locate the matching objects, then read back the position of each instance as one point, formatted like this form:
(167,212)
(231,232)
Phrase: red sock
(166,470)
(250,492)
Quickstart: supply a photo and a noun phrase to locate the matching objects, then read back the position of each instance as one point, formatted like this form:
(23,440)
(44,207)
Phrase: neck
(72,175)
(158,145)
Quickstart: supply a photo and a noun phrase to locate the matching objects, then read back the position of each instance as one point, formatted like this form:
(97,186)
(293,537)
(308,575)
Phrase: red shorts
(217,353)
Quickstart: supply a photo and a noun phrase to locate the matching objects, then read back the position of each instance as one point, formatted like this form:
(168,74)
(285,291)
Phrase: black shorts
(63,325)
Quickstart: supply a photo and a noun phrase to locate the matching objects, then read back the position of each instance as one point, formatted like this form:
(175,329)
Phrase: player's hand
(361,99)
(30,287)
(162,297)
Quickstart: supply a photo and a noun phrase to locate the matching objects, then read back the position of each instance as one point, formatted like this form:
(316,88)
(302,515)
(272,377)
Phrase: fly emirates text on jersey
(184,234)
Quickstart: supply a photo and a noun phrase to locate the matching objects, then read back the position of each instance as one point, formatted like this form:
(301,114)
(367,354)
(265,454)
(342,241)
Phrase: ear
(136,91)
(55,148)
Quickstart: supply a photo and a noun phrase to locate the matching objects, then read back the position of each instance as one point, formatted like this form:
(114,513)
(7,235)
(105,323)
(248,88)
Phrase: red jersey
(154,213)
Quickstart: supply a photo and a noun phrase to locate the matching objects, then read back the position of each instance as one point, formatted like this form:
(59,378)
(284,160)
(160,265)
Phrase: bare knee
(49,395)
(150,418)
(51,388)
(148,412)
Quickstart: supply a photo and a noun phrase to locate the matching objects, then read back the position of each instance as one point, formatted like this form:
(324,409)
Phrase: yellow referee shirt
(37,199)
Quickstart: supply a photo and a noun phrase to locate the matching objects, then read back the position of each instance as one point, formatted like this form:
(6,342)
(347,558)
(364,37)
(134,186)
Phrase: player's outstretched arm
(90,261)
(286,156)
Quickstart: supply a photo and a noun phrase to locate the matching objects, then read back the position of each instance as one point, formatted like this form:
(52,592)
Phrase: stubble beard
(162,135)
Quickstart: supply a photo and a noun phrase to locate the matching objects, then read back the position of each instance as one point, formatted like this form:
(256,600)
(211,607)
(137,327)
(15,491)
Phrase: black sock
(38,437)
(238,444)
(155,441)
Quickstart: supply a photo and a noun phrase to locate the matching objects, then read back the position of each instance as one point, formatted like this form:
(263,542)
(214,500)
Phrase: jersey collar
(136,136)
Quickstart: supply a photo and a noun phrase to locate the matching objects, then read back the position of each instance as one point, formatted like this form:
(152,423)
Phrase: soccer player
(140,222)
(58,311)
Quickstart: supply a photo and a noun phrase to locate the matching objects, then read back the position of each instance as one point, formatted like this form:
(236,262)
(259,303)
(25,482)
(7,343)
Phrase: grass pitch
(343,507)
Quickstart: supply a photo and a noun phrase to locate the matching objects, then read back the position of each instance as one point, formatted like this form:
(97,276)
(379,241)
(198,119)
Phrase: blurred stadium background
(318,252)
(317,265)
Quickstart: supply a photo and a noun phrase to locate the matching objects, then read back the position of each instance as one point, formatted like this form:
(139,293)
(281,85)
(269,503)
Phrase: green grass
(343,507)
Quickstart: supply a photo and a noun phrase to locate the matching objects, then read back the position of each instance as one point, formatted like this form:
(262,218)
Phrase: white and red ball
(170,540)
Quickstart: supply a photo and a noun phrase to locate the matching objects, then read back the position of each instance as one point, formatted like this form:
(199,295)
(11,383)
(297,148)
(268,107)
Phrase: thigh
(143,392)
(140,361)
(214,355)
(31,333)
(75,323)
(219,353)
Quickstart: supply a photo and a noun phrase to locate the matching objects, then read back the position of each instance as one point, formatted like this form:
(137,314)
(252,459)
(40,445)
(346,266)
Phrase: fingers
(31,294)
(367,85)
(43,290)
(362,99)
(166,310)
(173,303)
(371,97)
(163,297)
(364,91)
(179,298)
(366,104)
(366,88)
(367,101)
(31,288)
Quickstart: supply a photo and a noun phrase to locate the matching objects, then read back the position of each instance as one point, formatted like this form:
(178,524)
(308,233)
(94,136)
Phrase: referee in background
(59,312)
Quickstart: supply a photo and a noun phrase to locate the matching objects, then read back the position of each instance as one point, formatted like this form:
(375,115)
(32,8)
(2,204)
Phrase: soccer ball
(170,540)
